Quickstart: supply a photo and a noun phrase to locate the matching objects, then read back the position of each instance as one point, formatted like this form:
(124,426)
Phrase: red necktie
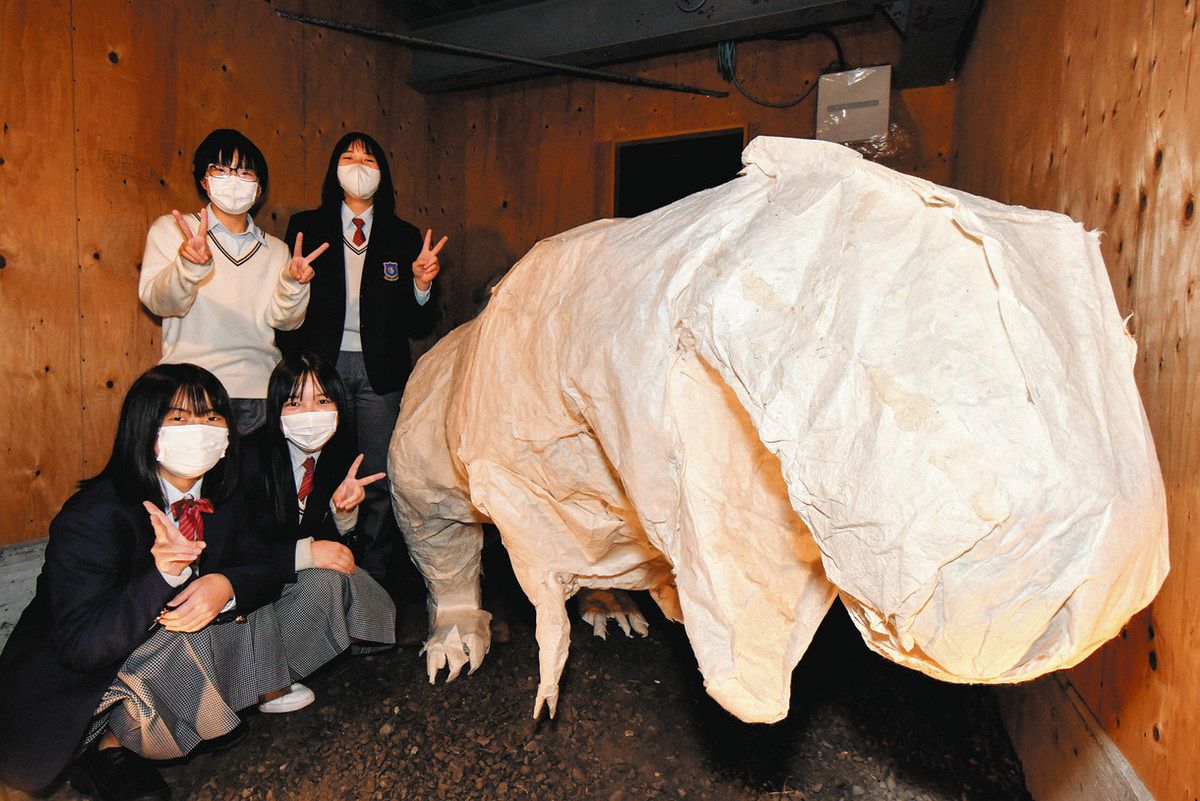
(306,481)
(187,514)
(359,237)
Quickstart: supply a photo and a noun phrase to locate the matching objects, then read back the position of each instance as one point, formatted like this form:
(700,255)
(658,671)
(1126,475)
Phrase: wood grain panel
(1103,183)
(439,192)
(1160,699)
(178,75)
(352,83)
(495,205)
(39,281)
(1064,754)
(1117,90)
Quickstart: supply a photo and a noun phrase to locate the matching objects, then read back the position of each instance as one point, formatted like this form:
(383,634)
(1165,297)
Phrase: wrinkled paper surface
(821,378)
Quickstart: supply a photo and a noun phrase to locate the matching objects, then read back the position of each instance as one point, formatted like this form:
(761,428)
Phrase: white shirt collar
(252,231)
(298,456)
(368,216)
(171,494)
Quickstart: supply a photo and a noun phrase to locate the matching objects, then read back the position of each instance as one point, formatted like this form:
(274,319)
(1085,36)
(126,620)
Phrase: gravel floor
(633,722)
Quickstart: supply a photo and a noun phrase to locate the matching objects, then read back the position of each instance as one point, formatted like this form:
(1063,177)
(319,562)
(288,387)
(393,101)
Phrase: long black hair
(132,466)
(286,383)
(332,194)
(218,148)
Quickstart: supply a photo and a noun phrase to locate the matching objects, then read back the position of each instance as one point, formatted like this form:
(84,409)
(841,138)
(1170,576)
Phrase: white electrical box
(854,105)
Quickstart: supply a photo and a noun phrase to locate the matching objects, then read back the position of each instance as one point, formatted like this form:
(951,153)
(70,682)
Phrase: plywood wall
(102,105)
(39,277)
(1089,107)
(537,156)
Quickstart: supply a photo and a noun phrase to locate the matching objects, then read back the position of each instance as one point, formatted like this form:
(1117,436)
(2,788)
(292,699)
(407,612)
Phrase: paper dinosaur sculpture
(821,378)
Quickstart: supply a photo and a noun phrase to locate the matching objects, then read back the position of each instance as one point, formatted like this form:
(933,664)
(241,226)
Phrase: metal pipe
(443,47)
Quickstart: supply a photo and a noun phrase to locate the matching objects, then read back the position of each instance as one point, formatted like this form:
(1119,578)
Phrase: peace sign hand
(171,550)
(195,246)
(350,493)
(299,267)
(426,267)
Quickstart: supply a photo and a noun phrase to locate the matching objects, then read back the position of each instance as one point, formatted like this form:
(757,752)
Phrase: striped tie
(359,236)
(307,481)
(187,512)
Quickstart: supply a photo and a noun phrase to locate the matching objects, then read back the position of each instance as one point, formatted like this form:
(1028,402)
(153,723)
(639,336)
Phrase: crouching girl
(151,625)
(310,493)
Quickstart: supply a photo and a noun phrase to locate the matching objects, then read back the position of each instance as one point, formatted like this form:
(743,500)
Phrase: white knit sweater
(221,315)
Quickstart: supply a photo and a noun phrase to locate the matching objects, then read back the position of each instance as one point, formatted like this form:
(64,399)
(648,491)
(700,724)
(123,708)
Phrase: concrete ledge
(20,565)
(1065,754)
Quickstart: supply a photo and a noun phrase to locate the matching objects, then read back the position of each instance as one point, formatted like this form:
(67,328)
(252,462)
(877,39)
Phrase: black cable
(727,66)
(828,34)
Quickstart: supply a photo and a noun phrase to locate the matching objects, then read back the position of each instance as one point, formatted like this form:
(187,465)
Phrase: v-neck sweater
(221,315)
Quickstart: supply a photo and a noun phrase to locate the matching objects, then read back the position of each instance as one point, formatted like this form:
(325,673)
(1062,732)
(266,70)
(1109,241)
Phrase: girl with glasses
(221,285)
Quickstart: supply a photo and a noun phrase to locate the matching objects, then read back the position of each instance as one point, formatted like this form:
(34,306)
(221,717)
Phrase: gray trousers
(372,418)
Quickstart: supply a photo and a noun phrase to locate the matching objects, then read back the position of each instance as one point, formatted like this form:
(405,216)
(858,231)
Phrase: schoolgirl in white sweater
(221,284)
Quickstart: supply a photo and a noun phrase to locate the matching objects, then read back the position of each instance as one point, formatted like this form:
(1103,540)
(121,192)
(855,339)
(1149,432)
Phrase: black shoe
(224,742)
(118,774)
(371,648)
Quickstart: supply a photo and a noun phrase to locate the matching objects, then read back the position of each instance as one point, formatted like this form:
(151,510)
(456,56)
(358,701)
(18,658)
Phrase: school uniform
(87,653)
(338,609)
(363,309)
(223,315)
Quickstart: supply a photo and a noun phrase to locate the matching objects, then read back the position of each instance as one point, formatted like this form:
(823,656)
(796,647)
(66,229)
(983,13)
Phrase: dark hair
(331,191)
(218,148)
(132,466)
(287,383)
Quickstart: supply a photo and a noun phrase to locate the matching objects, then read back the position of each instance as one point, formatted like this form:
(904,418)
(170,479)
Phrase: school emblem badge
(391,270)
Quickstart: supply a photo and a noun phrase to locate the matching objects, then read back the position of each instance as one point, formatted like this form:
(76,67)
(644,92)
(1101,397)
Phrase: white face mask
(231,194)
(191,451)
(309,431)
(359,180)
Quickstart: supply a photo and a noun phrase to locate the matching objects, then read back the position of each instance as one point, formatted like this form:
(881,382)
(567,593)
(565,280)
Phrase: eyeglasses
(224,171)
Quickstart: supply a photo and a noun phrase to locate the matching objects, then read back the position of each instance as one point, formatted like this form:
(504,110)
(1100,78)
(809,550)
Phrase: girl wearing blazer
(310,494)
(369,296)
(145,636)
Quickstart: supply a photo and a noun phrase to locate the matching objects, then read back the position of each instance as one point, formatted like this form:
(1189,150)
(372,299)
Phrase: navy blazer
(318,521)
(96,600)
(389,314)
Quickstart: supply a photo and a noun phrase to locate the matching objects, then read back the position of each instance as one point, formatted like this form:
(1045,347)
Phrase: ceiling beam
(604,32)
(420,44)
(932,32)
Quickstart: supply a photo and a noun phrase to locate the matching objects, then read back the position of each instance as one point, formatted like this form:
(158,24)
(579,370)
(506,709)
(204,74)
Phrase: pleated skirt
(179,688)
(321,614)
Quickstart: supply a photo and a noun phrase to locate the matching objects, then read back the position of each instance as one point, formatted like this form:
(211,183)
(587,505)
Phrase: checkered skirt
(325,611)
(179,688)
